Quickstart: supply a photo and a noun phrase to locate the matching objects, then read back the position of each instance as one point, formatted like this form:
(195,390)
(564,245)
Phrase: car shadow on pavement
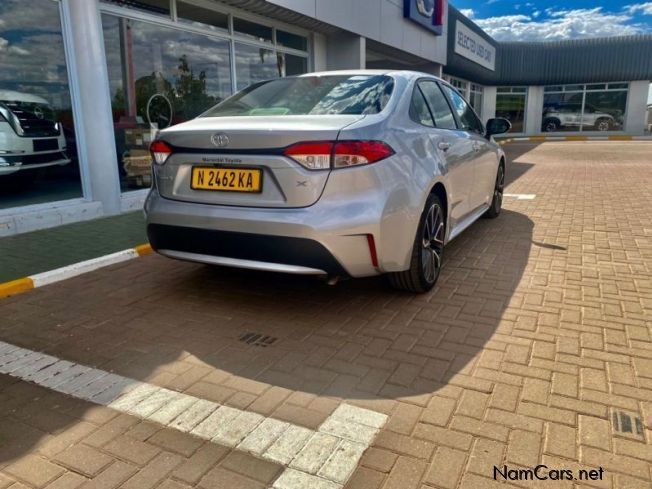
(187,327)
(517,164)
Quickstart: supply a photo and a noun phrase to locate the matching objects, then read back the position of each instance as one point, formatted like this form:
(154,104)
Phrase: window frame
(229,35)
(458,121)
(435,126)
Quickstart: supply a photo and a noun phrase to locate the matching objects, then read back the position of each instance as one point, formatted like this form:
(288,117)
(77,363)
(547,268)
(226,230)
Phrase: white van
(30,137)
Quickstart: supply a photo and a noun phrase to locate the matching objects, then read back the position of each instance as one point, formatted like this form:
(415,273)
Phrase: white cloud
(468,12)
(536,13)
(643,8)
(562,24)
(3,43)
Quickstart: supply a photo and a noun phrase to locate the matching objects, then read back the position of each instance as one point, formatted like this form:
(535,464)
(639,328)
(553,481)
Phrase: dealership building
(86,84)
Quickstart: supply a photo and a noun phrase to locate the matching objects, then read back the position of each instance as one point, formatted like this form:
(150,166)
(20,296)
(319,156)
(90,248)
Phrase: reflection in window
(314,95)
(439,107)
(253,30)
(202,17)
(38,160)
(594,107)
(158,77)
(467,118)
(254,64)
(292,65)
(161,7)
(510,104)
(289,40)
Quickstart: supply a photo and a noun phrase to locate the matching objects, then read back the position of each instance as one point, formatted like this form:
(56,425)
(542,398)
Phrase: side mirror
(498,125)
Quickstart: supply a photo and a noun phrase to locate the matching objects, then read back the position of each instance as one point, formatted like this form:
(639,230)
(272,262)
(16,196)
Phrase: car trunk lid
(253,143)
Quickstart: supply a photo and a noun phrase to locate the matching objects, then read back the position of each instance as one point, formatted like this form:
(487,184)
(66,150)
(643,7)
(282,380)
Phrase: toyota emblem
(426,7)
(220,139)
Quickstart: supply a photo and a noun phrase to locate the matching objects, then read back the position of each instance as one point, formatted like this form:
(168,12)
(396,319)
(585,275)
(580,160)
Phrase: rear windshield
(309,95)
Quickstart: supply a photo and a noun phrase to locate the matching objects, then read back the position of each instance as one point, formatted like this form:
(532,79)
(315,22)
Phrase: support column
(488,103)
(534,110)
(346,52)
(636,111)
(94,122)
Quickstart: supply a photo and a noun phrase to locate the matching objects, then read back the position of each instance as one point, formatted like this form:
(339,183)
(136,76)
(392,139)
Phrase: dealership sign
(428,13)
(474,47)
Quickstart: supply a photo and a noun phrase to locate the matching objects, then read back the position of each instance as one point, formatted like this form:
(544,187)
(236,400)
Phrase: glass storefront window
(475,98)
(292,65)
(253,30)
(161,7)
(158,76)
(254,64)
(594,107)
(289,40)
(38,151)
(510,104)
(200,16)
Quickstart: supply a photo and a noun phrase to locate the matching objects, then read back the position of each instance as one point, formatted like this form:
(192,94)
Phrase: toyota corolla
(340,174)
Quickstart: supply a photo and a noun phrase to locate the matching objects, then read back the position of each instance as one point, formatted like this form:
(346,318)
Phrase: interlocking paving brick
(315,453)
(34,470)
(83,459)
(446,468)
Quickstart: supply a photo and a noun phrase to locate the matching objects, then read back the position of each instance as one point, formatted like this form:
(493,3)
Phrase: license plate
(226,179)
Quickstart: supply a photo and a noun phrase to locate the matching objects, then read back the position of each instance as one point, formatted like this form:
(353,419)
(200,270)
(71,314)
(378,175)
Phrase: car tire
(497,201)
(427,252)
(550,125)
(603,124)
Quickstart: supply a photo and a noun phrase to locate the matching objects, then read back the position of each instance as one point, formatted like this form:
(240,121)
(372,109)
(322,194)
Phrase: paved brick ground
(40,251)
(538,332)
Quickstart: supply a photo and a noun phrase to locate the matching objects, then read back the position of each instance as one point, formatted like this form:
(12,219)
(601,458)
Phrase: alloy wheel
(433,243)
(500,185)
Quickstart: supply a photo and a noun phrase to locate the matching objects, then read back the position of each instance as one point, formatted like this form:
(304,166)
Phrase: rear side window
(468,119)
(419,111)
(309,95)
(439,107)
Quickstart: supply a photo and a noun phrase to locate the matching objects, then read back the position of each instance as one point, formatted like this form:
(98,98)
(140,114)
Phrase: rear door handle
(443,145)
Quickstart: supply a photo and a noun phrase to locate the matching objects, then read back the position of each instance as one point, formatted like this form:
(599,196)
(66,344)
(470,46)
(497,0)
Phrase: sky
(541,20)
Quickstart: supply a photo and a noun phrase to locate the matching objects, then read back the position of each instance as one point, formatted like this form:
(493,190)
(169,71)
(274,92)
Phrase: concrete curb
(541,139)
(24,284)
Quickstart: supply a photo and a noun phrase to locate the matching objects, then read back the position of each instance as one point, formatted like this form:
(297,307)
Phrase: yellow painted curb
(16,287)
(144,249)
(620,138)
(577,138)
(538,138)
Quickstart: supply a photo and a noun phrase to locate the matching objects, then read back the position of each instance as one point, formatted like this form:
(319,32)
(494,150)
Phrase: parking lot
(534,348)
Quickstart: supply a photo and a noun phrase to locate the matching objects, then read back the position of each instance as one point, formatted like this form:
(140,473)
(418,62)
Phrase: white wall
(346,52)
(319,52)
(380,20)
(488,103)
(534,110)
(635,116)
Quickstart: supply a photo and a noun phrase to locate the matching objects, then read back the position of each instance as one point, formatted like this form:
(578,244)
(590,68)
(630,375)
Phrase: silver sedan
(342,174)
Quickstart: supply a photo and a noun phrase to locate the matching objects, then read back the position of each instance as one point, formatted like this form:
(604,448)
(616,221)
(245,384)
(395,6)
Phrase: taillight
(312,155)
(322,155)
(160,151)
(351,153)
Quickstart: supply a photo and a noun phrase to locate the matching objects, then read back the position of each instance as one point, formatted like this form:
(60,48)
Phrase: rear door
(485,164)
(455,147)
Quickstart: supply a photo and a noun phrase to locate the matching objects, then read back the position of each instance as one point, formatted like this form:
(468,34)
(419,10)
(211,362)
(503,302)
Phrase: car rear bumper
(311,240)
(244,250)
